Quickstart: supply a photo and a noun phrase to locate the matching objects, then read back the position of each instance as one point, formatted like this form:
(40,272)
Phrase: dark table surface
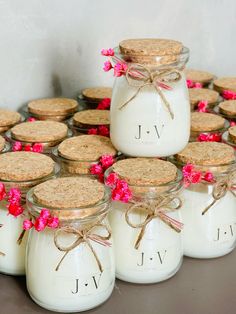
(200,287)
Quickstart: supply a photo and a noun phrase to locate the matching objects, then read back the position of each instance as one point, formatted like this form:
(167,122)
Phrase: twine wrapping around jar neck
(82,236)
(221,187)
(156,208)
(155,79)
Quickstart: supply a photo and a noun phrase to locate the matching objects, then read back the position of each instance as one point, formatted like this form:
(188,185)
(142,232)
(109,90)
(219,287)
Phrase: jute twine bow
(155,79)
(1,253)
(155,209)
(221,187)
(82,236)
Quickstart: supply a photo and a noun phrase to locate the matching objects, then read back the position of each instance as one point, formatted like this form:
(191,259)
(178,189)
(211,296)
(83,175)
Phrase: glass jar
(148,247)
(12,239)
(90,98)
(8,119)
(150,105)
(209,215)
(78,272)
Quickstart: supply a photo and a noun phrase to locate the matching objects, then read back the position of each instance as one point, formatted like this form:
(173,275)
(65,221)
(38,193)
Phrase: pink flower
(14,195)
(101,177)
(232,123)
(116,194)
(104,104)
(15,209)
(3,193)
(40,223)
(27,224)
(187,169)
(28,148)
(209,137)
(92,131)
(107,52)
(107,66)
(103,130)
(190,175)
(106,161)
(96,169)
(37,148)
(31,119)
(196,177)
(190,83)
(111,179)
(228,95)
(45,213)
(208,176)
(202,106)
(197,85)
(53,222)
(120,69)
(17,146)
(126,196)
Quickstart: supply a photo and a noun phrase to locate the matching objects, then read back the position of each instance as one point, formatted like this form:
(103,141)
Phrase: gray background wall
(52,47)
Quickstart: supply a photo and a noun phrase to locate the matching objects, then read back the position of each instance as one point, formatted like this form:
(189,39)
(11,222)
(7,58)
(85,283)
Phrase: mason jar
(150,103)
(19,170)
(208,210)
(70,268)
(146,226)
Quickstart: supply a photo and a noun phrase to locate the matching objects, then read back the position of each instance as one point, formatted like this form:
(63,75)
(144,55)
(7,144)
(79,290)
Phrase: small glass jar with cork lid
(227,109)
(37,136)
(19,171)
(150,104)
(145,219)
(98,97)
(70,264)
(209,199)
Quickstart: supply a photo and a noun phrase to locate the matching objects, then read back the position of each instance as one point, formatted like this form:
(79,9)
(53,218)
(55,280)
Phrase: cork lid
(199,94)
(145,171)
(232,133)
(25,166)
(39,131)
(92,117)
(69,192)
(86,147)
(203,121)
(228,107)
(97,93)
(53,106)
(2,143)
(206,153)
(150,46)
(198,76)
(8,117)
(228,83)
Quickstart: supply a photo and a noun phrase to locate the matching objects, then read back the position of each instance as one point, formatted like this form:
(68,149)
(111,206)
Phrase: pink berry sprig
(44,220)
(193,176)
(99,168)
(120,188)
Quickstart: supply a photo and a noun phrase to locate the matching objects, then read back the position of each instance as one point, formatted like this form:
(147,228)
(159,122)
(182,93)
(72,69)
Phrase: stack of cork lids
(92,96)
(144,173)
(8,119)
(85,120)
(26,169)
(61,195)
(48,133)
(199,94)
(207,155)
(76,154)
(56,109)
(203,122)
(197,76)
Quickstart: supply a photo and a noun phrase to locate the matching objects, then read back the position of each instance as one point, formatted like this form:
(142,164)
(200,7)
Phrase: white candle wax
(78,285)
(144,126)
(213,234)
(159,255)
(13,263)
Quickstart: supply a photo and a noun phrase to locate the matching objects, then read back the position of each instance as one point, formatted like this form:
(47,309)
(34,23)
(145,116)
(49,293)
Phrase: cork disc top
(203,121)
(150,46)
(198,76)
(228,107)
(86,147)
(39,131)
(92,117)
(206,153)
(199,94)
(69,192)
(145,171)
(97,93)
(8,117)
(53,106)
(2,143)
(25,166)
(228,83)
